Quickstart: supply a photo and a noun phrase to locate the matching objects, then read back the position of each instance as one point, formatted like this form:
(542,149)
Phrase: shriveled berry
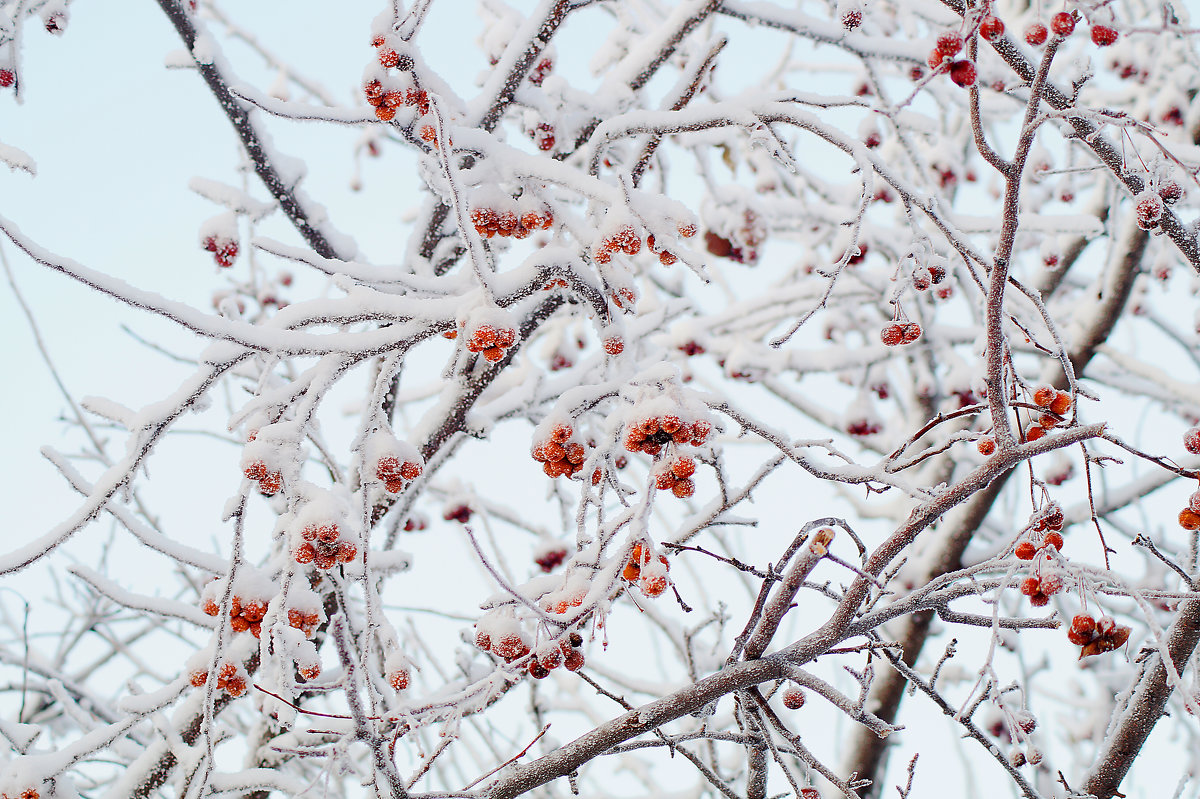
(910,333)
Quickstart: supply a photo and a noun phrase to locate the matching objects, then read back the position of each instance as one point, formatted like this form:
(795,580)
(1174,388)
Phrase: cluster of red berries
(243,614)
(561,602)
(1039,589)
(269,482)
(676,476)
(1058,403)
(460,513)
(1028,550)
(650,434)
(1096,636)
(900,333)
(7,79)
(558,453)
(491,222)
(224,250)
(230,677)
(925,276)
(863,427)
(648,572)
(1062,25)
(550,656)
(509,644)
(1050,519)
(543,136)
(690,348)
(941,59)
(306,623)
(385,102)
(1148,209)
(492,342)
(396,474)
(540,71)
(625,239)
(323,545)
(793,698)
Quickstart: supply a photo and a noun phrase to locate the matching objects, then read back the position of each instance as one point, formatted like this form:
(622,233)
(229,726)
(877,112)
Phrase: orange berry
(986,446)
(1043,396)
(309,672)
(1034,433)
(1061,403)
(614,346)
(1048,420)
(385,113)
(270,483)
(1189,519)
(683,489)
(1054,540)
(1025,550)
(256,470)
(198,678)
(683,467)
(493,354)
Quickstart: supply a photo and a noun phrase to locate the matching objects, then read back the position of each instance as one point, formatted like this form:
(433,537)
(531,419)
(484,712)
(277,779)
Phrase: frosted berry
(551,559)
(892,335)
(1036,34)
(1063,23)
(852,19)
(1034,433)
(949,43)
(1189,519)
(1025,550)
(1149,209)
(388,58)
(1191,440)
(963,73)
(7,78)
(911,332)
(986,446)
(1061,404)
(1103,35)
(614,345)
(1043,396)
(793,698)
(398,679)
(991,28)
(1053,539)
(1171,192)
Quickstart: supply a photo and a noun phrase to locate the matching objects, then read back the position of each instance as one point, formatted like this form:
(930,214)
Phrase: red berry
(910,332)
(1054,540)
(1149,209)
(935,60)
(1191,440)
(1103,35)
(614,345)
(1061,403)
(1171,192)
(892,335)
(1083,624)
(991,28)
(1025,550)
(1063,23)
(986,446)
(1043,396)
(1036,34)
(963,73)
(388,58)
(1034,433)
(7,78)
(793,698)
(949,43)
(1031,586)
(398,679)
